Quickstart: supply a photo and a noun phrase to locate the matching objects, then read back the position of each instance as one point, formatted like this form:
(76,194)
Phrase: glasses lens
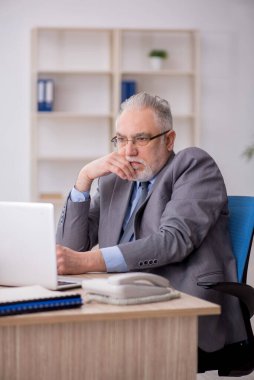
(142,141)
(119,141)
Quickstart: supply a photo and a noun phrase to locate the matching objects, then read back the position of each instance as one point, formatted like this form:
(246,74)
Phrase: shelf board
(73,72)
(67,159)
(158,72)
(53,200)
(71,115)
(122,72)
(158,30)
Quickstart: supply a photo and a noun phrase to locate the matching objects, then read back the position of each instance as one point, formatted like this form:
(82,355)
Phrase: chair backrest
(241,227)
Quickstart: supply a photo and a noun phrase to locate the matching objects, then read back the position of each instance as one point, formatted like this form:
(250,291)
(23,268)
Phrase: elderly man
(155,211)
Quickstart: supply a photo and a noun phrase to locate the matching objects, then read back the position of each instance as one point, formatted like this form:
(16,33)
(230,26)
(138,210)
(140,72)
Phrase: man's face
(149,159)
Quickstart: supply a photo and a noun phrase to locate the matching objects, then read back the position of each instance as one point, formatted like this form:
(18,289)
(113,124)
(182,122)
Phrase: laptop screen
(27,244)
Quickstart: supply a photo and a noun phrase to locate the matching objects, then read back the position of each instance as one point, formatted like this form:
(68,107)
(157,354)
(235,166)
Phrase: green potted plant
(156,58)
(249,152)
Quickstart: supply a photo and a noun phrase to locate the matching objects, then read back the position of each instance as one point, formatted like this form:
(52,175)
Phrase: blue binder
(41,94)
(45,95)
(128,88)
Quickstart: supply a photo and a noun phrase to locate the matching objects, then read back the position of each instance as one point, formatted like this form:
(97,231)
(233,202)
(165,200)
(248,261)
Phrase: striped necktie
(129,228)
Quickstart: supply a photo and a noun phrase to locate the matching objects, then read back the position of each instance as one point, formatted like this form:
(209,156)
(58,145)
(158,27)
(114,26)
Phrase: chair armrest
(244,292)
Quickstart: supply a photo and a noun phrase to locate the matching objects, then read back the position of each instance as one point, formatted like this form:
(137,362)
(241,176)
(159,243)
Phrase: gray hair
(160,107)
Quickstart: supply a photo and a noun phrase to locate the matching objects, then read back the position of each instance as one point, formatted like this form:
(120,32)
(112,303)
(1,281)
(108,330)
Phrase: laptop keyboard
(61,282)
(68,284)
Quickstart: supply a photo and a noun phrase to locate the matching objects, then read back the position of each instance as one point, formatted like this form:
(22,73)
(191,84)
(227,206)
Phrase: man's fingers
(61,259)
(68,261)
(120,166)
(111,163)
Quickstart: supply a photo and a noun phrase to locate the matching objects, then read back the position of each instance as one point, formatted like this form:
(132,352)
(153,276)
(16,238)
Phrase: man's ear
(170,140)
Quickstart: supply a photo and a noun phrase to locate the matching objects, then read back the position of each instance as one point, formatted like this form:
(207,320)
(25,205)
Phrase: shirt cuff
(78,196)
(114,260)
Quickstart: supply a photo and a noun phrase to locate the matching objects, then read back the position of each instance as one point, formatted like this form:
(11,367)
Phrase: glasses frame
(134,142)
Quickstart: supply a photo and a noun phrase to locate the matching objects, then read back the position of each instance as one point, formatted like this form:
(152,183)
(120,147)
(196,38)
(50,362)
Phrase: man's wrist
(81,189)
(84,187)
(93,262)
(83,182)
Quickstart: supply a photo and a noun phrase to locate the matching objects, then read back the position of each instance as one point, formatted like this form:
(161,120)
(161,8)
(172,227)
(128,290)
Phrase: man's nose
(130,148)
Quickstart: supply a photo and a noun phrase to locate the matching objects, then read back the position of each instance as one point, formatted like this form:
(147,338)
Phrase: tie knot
(144,185)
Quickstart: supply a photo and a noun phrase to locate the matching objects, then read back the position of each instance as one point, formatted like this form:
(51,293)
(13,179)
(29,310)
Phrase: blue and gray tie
(129,228)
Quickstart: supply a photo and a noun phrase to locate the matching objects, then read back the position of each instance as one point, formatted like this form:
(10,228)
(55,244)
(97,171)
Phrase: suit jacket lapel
(161,172)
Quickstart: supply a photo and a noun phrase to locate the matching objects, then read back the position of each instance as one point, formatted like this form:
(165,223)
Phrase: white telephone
(130,288)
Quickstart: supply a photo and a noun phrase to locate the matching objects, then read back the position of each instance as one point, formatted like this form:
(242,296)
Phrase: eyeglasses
(120,142)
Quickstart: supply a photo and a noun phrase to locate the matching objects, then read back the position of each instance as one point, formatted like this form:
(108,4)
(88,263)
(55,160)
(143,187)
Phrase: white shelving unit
(87,67)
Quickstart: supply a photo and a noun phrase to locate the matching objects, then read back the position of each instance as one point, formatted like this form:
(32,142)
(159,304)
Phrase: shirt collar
(152,180)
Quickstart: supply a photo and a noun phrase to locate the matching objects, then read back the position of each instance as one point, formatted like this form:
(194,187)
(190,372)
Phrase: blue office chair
(236,359)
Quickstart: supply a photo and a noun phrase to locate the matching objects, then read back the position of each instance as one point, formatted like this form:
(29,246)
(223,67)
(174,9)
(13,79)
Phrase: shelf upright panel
(117,76)
(196,66)
(33,116)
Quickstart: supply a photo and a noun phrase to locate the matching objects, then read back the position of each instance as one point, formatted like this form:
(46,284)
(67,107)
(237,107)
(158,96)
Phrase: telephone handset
(138,278)
(130,288)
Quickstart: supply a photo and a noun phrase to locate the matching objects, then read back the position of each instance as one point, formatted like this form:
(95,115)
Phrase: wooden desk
(152,341)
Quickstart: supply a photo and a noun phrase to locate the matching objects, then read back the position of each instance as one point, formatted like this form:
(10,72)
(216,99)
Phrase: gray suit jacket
(181,233)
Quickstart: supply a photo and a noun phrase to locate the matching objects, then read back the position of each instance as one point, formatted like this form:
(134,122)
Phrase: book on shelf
(45,95)
(30,299)
(128,88)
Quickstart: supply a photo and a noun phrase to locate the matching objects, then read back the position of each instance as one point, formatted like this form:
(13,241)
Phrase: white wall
(227,66)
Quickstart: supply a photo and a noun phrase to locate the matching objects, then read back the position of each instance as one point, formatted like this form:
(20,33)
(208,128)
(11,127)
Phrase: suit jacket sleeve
(78,224)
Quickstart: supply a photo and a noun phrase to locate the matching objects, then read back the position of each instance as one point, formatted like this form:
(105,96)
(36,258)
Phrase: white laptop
(28,248)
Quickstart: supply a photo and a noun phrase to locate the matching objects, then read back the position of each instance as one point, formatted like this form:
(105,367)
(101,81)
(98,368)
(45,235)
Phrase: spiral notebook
(30,299)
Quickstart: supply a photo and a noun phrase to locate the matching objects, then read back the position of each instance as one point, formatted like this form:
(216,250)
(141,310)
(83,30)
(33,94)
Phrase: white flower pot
(156,63)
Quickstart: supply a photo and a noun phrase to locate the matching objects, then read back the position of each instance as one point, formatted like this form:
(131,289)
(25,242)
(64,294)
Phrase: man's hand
(73,262)
(111,163)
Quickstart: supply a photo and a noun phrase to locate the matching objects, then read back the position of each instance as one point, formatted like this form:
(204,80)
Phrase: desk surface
(186,305)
